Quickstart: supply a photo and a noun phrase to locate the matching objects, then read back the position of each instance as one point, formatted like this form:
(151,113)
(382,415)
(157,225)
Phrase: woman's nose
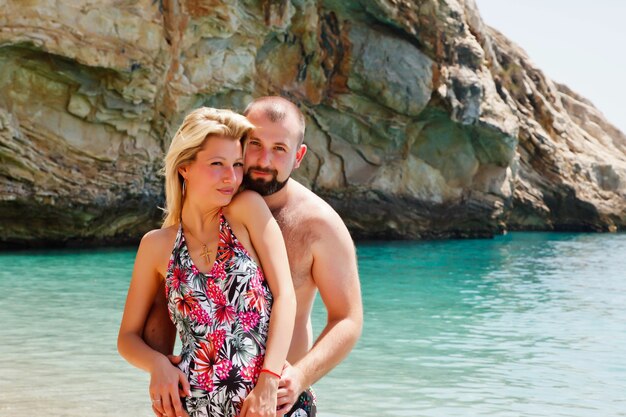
(230,175)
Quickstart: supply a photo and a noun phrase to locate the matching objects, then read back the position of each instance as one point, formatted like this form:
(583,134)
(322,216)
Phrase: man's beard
(260,185)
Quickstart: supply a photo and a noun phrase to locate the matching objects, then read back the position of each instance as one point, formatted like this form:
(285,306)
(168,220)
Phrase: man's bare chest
(298,241)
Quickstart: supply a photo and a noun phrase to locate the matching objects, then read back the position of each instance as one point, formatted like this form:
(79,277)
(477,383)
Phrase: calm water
(523,325)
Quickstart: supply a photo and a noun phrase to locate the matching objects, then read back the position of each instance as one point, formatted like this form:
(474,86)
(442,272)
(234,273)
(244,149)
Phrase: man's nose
(264,158)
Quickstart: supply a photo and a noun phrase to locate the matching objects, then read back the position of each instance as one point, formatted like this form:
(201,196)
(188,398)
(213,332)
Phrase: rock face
(422,121)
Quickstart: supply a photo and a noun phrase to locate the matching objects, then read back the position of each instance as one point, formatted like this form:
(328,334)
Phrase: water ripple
(528,324)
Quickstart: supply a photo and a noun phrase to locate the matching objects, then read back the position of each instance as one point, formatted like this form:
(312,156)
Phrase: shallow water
(528,324)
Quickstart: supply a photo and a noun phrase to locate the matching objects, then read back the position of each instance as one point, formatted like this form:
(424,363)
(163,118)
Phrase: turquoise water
(522,325)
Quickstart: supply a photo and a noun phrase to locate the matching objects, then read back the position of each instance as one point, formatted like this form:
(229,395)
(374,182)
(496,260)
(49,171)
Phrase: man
(320,250)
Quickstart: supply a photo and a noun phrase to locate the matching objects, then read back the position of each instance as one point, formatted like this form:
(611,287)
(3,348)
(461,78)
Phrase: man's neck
(279,199)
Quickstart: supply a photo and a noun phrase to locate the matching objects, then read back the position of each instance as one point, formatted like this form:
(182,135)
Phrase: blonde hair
(196,129)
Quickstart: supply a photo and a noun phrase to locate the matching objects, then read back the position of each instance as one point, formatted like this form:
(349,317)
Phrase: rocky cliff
(422,121)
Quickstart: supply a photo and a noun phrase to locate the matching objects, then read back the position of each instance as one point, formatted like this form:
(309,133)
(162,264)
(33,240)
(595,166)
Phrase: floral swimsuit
(222,318)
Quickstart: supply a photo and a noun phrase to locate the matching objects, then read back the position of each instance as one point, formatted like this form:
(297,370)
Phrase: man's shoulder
(312,207)
(317,215)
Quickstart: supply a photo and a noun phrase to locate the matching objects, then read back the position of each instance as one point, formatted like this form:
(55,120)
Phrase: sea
(525,324)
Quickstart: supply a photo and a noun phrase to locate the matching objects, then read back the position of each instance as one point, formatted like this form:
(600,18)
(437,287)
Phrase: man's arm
(336,276)
(159,332)
(335,273)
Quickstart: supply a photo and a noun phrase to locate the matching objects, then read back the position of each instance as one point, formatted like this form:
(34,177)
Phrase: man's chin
(263,187)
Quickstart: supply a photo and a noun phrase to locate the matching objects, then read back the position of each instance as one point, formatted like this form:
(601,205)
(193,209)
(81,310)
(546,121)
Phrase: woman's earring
(184,188)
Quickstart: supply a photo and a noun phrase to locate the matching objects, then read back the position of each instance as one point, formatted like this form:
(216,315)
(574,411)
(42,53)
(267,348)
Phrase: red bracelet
(270,372)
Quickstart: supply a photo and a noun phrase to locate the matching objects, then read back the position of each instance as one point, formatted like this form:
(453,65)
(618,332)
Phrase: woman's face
(215,175)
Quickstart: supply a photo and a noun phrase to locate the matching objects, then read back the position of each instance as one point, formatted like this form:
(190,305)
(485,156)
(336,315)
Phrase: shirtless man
(321,256)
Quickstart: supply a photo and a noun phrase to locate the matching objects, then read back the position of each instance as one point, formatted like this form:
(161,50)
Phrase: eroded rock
(423,122)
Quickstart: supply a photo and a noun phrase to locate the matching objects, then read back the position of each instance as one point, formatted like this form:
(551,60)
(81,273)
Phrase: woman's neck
(201,222)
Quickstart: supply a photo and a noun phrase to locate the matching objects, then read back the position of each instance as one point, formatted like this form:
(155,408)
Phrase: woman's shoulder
(155,249)
(158,240)
(244,204)
(248,197)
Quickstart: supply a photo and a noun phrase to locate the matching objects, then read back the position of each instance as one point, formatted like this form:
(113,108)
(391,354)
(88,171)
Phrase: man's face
(272,153)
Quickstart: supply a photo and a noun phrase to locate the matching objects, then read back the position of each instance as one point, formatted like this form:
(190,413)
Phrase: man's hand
(289,389)
(261,401)
(167,385)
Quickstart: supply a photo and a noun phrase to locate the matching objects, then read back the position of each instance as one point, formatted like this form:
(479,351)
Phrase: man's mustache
(266,170)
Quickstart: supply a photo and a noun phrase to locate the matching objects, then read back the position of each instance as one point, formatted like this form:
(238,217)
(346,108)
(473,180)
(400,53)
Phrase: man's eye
(280,149)
(254,143)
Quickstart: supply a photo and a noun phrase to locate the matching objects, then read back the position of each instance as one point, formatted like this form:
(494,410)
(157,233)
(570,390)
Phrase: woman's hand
(261,401)
(290,388)
(167,385)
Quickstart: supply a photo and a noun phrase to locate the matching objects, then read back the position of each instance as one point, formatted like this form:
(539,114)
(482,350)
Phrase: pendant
(206,253)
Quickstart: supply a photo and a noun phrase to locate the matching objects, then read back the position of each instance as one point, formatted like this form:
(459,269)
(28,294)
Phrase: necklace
(204,251)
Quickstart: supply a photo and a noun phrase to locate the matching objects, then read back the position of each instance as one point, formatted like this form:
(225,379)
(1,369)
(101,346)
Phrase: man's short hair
(276,109)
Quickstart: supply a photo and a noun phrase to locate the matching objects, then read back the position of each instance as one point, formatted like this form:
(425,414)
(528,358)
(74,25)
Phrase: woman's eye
(216,163)
(239,164)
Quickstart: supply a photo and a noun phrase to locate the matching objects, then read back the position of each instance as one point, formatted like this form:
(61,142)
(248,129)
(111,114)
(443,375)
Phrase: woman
(209,251)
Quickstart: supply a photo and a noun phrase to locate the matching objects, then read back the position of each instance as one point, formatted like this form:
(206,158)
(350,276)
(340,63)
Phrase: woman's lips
(227,191)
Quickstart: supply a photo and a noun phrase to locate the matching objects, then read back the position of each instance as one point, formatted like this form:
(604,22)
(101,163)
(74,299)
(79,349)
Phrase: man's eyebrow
(285,144)
(281,144)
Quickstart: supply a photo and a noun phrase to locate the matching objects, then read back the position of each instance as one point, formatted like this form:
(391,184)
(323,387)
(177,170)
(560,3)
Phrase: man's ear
(300,154)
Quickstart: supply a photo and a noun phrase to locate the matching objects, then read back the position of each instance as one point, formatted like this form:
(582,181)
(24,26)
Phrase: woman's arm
(267,240)
(165,377)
